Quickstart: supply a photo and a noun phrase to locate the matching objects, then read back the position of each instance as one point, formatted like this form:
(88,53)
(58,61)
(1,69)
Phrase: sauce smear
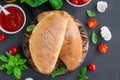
(13,21)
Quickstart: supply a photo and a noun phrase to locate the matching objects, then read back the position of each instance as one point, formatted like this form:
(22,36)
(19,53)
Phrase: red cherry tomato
(85,1)
(13,50)
(92,67)
(2,37)
(75,2)
(92,23)
(103,48)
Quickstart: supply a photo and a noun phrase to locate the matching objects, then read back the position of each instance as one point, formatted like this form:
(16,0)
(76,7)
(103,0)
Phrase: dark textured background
(108,65)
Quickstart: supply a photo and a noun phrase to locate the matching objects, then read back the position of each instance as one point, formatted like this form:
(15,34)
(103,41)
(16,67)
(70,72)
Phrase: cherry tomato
(92,67)
(2,37)
(92,23)
(75,2)
(103,48)
(13,50)
(85,1)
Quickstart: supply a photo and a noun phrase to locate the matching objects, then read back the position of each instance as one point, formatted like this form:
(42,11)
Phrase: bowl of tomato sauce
(78,3)
(13,22)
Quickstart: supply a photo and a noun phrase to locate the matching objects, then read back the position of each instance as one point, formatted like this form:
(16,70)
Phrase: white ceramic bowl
(78,5)
(14,5)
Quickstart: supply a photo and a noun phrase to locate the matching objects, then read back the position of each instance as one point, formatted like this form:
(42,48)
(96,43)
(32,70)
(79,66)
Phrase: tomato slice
(92,23)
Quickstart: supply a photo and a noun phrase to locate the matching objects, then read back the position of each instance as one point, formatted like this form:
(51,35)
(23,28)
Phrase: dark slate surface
(108,65)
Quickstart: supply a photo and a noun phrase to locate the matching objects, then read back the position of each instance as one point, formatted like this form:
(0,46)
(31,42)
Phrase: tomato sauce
(13,21)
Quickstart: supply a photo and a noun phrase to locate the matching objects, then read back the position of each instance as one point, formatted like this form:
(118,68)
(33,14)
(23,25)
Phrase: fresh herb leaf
(34,3)
(2,67)
(91,13)
(84,70)
(18,56)
(94,37)
(8,67)
(30,28)
(10,63)
(56,4)
(17,72)
(3,58)
(25,67)
(82,75)
(13,64)
(11,57)
(22,61)
(22,1)
(58,72)
(9,72)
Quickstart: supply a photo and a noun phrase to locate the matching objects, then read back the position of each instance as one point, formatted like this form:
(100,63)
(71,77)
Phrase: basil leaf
(18,56)
(11,57)
(2,67)
(94,37)
(21,68)
(56,4)
(17,72)
(58,72)
(34,3)
(85,77)
(10,71)
(3,58)
(91,13)
(22,61)
(22,1)
(25,67)
(30,28)
(10,63)
(8,67)
(84,70)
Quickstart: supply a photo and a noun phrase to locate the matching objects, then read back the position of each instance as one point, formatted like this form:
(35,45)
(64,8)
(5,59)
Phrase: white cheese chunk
(102,6)
(29,79)
(105,33)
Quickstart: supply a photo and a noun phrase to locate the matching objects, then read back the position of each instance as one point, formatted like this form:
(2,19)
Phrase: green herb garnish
(58,71)
(94,37)
(34,3)
(91,13)
(30,28)
(56,4)
(13,64)
(83,74)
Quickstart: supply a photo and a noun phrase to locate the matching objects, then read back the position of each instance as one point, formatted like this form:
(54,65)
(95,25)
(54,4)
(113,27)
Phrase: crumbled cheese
(29,79)
(105,33)
(102,6)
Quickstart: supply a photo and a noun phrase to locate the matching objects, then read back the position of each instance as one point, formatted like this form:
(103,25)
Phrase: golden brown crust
(71,52)
(46,41)
(48,34)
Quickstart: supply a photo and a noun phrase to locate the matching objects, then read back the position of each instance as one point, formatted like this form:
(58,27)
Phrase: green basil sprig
(83,74)
(58,71)
(94,37)
(91,13)
(34,3)
(56,4)
(13,64)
